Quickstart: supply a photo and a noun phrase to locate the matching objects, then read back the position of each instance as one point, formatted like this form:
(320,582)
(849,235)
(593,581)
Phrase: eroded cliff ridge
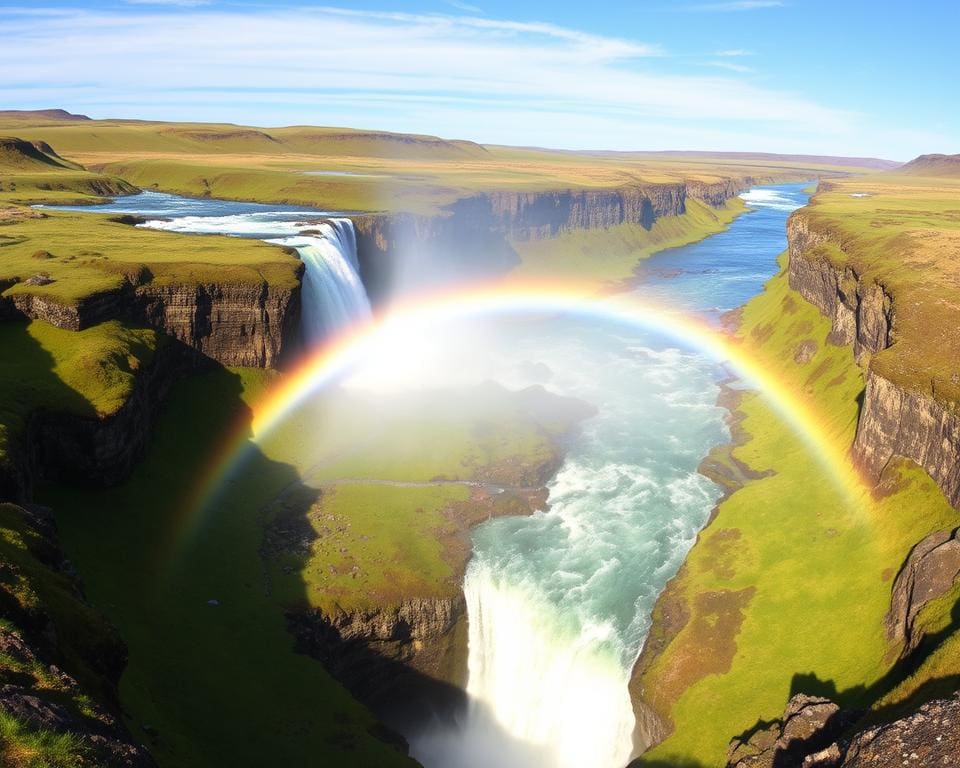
(884,270)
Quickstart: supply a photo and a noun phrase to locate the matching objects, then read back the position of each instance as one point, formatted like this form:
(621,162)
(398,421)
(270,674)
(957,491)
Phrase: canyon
(381,654)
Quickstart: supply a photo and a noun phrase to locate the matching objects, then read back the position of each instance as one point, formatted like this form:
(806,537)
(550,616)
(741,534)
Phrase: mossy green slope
(37,598)
(787,587)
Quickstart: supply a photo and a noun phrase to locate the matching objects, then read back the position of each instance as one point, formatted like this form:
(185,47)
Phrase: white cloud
(730,66)
(485,79)
(734,52)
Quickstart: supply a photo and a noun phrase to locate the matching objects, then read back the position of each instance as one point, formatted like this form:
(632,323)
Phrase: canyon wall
(473,238)
(407,662)
(236,324)
(894,420)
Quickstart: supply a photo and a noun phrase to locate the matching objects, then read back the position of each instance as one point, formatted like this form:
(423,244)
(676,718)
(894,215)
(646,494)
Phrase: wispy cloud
(462,6)
(734,52)
(493,80)
(730,66)
(737,5)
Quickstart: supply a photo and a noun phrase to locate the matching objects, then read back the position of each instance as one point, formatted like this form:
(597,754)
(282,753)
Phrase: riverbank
(789,584)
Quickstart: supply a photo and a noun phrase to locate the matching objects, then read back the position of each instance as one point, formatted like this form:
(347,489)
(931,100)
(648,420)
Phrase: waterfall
(546,689)
(333,296)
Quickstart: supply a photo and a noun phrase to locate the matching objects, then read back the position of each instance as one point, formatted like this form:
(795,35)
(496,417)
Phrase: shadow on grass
(864,697)
(28,381)
(173,557)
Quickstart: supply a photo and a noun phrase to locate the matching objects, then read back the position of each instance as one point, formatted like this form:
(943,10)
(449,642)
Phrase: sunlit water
(559,602)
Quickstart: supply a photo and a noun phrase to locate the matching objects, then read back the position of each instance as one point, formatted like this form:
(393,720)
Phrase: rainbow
(335,360)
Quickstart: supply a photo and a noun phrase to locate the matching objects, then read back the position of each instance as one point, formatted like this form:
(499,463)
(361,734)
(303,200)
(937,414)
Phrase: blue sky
(843,77)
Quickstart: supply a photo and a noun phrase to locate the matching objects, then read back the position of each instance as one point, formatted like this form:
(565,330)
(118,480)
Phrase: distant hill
(746,157)
(43,114)
(21,155)
(933,165)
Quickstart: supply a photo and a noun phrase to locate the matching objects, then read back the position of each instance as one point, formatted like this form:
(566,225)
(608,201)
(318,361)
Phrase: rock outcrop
(808,727)
(242,324)
(932,569)
(928,738)
(404,661)
(815,733)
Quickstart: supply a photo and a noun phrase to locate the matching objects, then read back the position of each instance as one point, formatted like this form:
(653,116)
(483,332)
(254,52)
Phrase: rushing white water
(333,295)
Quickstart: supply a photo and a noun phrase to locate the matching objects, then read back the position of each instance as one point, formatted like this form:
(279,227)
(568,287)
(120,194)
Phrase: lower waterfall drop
(333,293)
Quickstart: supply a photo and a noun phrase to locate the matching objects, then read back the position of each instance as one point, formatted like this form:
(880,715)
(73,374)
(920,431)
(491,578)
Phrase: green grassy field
(84,254)
(371,542)
(344,169)
(787,587)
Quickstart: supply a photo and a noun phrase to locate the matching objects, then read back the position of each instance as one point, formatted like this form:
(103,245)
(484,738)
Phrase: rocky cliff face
(894,421)
(252,325)
(243,324)
(474,236)
(930,571)
(813,734)
(898,422)
(404,661)
(522,216)
(861,312)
